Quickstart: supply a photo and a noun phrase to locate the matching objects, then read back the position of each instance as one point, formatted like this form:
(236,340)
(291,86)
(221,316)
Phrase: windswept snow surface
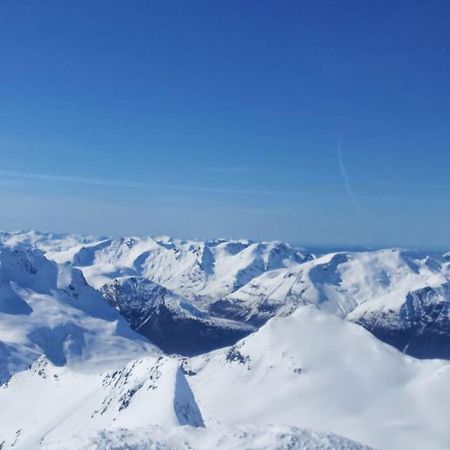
(248,437)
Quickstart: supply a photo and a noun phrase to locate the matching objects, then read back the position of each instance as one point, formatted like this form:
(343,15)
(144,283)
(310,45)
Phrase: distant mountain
(49,309)
(164,287)
(194,296)
(401,297)
(168,320)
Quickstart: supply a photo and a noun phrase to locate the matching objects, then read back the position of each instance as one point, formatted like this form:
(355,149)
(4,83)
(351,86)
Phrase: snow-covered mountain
(164,287)
(49,309)
(193,269)
(195,296)
(312,368)
(75,375)
(400,296)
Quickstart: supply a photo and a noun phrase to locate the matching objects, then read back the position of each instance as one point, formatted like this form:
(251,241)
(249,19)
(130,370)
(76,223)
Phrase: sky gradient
(315,122)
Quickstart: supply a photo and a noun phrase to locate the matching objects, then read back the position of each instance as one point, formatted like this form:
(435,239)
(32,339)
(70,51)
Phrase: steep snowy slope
(316,370)
(49,309)
(51,404)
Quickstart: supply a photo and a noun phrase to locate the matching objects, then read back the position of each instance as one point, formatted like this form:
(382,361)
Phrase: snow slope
(247,437)
(51,404)
(315,370)
(310,370)
(49,309)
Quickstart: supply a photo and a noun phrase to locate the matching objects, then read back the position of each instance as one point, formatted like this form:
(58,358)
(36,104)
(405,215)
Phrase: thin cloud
(142,185)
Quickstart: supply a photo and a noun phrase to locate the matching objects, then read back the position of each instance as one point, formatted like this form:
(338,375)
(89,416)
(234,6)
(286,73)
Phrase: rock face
(170,321)
(421,328)
(190,334)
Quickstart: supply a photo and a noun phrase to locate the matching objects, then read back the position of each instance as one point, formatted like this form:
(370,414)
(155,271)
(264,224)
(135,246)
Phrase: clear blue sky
(316,122)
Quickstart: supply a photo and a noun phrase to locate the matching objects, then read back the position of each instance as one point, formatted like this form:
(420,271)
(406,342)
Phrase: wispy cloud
(13,176)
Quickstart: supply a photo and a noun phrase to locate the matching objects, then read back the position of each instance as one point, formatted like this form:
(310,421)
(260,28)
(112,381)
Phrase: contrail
(348,187)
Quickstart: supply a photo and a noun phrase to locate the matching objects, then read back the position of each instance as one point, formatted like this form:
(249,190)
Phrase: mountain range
(162,343)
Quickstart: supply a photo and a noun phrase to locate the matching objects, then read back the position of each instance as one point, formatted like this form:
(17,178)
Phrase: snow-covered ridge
(193,269)
(183,287)
(311,369)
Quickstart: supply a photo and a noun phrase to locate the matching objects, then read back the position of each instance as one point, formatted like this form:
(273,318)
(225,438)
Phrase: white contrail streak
(347,184)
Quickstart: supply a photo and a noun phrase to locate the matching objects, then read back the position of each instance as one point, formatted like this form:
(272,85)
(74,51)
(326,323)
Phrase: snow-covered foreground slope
(52,404)
(315,370)
(310,370)
(247,437)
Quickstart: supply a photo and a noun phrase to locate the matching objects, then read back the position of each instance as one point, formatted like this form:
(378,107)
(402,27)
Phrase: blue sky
(316,122)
